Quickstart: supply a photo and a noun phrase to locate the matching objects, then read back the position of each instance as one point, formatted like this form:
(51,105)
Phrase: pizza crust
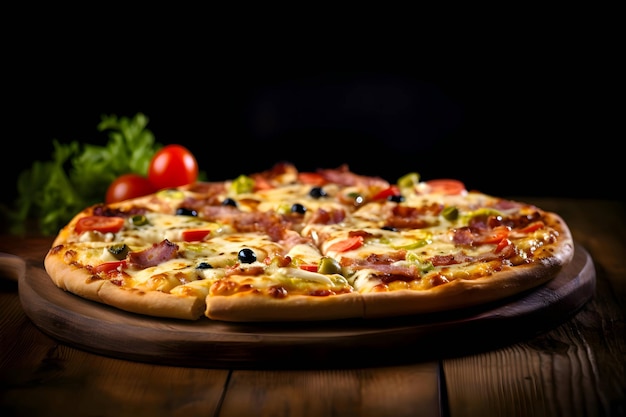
(464,293)
(460,293)
(255,307)
(151,303)
(71,278)
(80,282)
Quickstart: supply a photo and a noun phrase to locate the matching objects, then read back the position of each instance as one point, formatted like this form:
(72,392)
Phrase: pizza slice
(231,264)
(439,252)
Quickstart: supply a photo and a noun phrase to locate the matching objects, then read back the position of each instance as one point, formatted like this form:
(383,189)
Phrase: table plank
(398,391)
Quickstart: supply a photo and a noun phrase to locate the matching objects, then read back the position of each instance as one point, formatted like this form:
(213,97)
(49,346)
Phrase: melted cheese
(212,264)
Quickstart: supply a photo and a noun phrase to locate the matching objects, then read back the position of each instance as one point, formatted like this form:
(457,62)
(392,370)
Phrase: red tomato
(495,235)
(194,235)
(128,186)
(109,266)
(352,242)
(311,178)
(387,192)
(310,268)
(446,186)
(104,224)
(172,166)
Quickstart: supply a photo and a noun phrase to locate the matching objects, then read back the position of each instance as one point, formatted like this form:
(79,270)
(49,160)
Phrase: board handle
(12,267)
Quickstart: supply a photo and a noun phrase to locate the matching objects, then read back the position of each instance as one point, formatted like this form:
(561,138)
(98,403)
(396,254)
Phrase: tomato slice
(103,224)
(194,235)
(261,183)
(353,242)
(446,186)
(393,190)
(495,235)
(109,266)
(533,227)
(501,245)
(309,267)
(311,178)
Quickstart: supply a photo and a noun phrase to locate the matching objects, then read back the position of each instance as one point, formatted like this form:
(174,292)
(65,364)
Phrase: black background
(534,117)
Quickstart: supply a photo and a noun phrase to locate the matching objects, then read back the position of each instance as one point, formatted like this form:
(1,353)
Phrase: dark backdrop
(510,123)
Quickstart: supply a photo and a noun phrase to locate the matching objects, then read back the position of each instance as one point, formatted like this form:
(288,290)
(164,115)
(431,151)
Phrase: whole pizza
(286,245)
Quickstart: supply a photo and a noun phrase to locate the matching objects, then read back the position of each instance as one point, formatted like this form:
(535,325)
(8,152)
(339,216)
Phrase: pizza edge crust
(78,281)
(463,293)
(260,307)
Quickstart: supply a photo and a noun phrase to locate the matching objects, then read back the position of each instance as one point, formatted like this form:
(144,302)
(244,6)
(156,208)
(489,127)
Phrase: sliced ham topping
(343,176)
(385,266)
(268,222)
(402,217)
(101,210)
(154,255)
(280,173)
(452,259)
(207,189)
(322,216)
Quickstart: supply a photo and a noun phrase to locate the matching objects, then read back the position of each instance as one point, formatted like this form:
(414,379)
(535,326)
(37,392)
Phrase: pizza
(288,245)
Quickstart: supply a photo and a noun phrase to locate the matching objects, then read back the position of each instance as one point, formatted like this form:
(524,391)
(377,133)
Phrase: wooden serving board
(205,343)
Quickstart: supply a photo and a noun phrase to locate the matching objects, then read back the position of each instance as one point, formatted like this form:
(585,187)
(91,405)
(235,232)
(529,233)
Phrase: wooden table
(574,368)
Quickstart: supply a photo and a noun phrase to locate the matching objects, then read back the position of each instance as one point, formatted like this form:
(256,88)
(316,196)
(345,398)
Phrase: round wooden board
(205,343)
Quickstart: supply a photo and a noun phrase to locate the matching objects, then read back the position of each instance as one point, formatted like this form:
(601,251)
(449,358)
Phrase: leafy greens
(78,175)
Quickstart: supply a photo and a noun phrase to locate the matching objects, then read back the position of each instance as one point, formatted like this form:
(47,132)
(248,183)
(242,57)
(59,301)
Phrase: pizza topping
(494,235)
(390,193)
(154,255)
(450,213)
(191,235)
(325,216)
(318,192)
(139,220)
(350,243)
(102,224)
(246,256)
(328,265)
(312,178)
(242,184)
(445,186)
(409,181)
(306,275)
(298,208)
(108,266)
(183,211)
(119,251)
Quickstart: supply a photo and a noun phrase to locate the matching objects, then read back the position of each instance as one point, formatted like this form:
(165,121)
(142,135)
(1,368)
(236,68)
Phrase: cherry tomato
(103,224)
(172,166)
(128,186)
